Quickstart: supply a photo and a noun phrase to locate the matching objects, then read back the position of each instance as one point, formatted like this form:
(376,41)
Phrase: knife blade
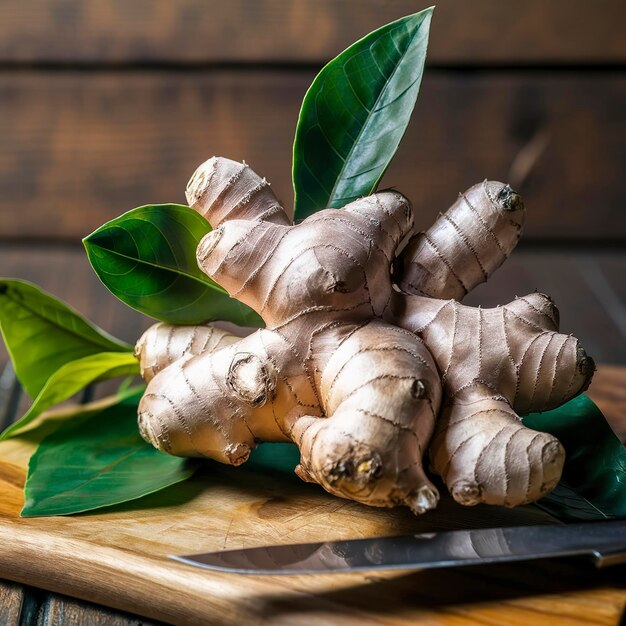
(604,542)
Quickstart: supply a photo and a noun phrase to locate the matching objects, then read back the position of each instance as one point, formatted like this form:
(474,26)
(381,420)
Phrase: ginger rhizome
(368,361)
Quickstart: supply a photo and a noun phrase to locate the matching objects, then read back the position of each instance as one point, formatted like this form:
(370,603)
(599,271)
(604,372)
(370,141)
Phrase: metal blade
(422,551)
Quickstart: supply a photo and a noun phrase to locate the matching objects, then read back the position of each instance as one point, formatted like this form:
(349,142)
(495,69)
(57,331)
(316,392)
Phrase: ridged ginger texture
(368,362)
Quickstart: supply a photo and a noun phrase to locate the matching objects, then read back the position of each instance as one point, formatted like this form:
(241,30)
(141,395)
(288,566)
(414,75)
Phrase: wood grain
(608,391)
(63,610)
(118,558)
(79,149)
(562,275)
(309,31)
(231,508)
(11,598)
(559,274)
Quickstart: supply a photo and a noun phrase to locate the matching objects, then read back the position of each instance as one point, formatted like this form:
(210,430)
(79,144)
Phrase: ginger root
(367,358)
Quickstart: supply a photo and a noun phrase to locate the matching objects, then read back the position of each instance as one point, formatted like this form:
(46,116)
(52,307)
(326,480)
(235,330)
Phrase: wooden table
(550,592)
(107,106)
(568,592)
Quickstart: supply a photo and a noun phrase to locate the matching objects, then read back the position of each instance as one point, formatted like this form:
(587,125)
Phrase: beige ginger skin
(368,361)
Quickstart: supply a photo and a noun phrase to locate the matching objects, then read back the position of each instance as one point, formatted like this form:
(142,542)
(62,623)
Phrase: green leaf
(567,505)
(595,463)
(355,113)
(276,457)
(71,378)
(147,258)
(99,462)
(42,333)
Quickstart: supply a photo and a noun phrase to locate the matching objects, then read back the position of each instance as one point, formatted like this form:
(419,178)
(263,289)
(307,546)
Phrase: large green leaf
(42,333)
(355,113)
(595,464)
(102,461)
(147,258)
(71,378)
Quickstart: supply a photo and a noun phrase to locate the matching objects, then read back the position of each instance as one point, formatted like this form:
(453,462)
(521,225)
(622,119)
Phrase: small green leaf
(42,333)
(71,378)
(99,462)
(355,113)
(147,258)
(595,462)
(276,457)
(567,505)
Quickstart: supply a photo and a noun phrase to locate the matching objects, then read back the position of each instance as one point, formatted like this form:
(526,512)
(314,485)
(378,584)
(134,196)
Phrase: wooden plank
(62,611)
(9,390)
(32,606)
(608,391)
(79,149)
(560,274)
(309,31)
(541,593)
(126,566)
(605,276)
(11,598)
(590,322)
(24,607)
(556,273)
(613,271)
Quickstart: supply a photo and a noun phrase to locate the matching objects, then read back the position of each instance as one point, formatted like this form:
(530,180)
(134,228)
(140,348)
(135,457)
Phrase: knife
(604,542)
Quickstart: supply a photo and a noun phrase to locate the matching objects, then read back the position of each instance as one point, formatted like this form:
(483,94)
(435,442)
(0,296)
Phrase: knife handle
(610,556)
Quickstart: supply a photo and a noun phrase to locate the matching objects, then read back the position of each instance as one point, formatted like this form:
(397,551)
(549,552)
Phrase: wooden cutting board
(119,558)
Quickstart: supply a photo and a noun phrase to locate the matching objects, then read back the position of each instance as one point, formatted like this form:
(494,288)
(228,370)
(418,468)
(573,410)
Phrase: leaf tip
(26,513)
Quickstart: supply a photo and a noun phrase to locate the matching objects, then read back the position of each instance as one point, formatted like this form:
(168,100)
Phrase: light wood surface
(438,598)
(119,558)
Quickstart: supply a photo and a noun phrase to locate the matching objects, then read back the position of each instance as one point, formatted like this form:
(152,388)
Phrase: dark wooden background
(109,104)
